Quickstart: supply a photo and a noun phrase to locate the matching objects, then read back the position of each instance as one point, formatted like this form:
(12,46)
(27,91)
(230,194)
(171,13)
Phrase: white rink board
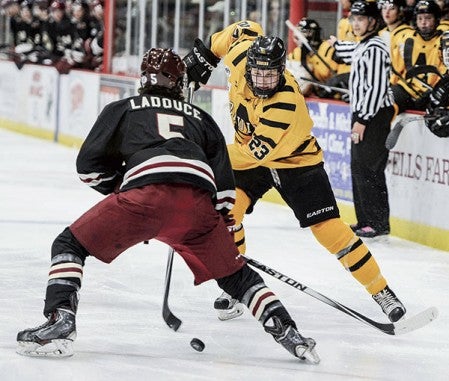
(30,95)
(418,176)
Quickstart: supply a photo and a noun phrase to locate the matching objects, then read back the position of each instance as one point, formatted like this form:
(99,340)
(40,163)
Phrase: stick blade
(415,322)
(393,135)
(172,321)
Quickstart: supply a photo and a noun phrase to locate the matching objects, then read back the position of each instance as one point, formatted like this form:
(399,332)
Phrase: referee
(372,113)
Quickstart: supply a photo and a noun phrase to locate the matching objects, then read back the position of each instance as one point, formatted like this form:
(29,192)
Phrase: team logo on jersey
(242,124)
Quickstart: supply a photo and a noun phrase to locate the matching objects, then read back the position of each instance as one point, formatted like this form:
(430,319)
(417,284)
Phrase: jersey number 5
(165,123)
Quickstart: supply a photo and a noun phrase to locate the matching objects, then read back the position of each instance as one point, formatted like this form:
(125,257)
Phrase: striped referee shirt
(370,76)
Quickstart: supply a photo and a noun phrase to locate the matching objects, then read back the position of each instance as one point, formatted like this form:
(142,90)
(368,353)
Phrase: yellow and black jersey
(396,40)
(320,70)
(344,30)
(273,132)
(416,51)
(444,25)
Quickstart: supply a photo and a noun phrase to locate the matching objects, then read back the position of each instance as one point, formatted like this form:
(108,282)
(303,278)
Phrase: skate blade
(310,356)
(308,353)
(55,348)
(231,313)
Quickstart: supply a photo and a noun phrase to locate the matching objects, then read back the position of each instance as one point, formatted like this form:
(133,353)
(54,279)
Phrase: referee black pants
(368,161)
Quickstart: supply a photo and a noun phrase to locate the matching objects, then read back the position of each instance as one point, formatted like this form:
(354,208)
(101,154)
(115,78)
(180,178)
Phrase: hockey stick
(403,326)
(329,89)
(393,135)
(169,317)
(300,36)
(172,321)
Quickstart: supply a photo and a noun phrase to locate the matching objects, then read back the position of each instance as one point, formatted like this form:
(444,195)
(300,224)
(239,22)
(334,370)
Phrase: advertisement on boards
(332,127)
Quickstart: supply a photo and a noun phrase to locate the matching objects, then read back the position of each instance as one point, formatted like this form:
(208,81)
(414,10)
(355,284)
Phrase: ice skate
(228,308)
(54,338)
(390,304)
(291,339)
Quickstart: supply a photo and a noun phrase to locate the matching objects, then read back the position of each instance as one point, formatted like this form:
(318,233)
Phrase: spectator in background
(94,46)
(80,17)
(24,33)
(68,50)
(41,39)
(11,8)
(419,66)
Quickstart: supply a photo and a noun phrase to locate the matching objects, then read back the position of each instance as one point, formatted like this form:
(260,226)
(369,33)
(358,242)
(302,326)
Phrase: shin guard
(352,253)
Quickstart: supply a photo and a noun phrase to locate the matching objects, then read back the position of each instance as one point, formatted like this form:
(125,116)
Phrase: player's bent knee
(66,244)
(238,283)
(333,234)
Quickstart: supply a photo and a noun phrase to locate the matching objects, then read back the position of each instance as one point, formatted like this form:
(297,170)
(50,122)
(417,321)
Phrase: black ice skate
(390,304)
(291,339)
(228,308)
(54,338)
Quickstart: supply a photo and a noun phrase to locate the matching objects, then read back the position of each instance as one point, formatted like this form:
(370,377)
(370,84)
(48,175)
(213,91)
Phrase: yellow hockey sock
(352,253)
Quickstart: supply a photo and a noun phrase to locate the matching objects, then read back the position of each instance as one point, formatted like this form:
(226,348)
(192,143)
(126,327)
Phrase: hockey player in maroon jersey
(164,165)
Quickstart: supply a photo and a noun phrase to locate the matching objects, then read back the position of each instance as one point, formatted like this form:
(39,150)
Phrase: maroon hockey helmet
(162,68)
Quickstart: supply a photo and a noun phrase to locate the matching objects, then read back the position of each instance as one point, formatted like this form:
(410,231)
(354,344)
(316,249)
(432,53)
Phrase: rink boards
(39,102)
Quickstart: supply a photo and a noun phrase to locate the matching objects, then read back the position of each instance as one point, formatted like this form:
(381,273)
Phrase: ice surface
(121,334)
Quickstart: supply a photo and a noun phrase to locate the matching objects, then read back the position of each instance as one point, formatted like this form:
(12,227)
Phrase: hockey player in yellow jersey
(274,147)
(317,62)
(396,30)
(420,50)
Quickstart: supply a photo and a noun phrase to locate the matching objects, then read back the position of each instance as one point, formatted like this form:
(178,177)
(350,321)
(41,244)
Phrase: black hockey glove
(200,62)
(438,122)
(439,97)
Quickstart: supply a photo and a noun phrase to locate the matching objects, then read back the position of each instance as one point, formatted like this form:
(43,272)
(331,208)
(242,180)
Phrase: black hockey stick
(393,135)
(169,317)
(398,328)
(172,321)
(300,36)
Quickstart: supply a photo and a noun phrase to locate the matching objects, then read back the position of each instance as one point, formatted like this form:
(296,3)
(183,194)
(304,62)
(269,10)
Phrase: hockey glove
(439,97)
(200,62)
(438,122)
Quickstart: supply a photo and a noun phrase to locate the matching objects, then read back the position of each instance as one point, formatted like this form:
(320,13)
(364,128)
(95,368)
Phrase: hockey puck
(197,344)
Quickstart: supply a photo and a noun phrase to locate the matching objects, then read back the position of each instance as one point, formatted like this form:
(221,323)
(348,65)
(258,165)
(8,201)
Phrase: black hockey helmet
(427,6)
(401,4)
(266,53)
(431,7)
(366,8)
(163,69)
(311,30)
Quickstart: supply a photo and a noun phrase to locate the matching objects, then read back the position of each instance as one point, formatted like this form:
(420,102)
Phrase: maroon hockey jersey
(148,139)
